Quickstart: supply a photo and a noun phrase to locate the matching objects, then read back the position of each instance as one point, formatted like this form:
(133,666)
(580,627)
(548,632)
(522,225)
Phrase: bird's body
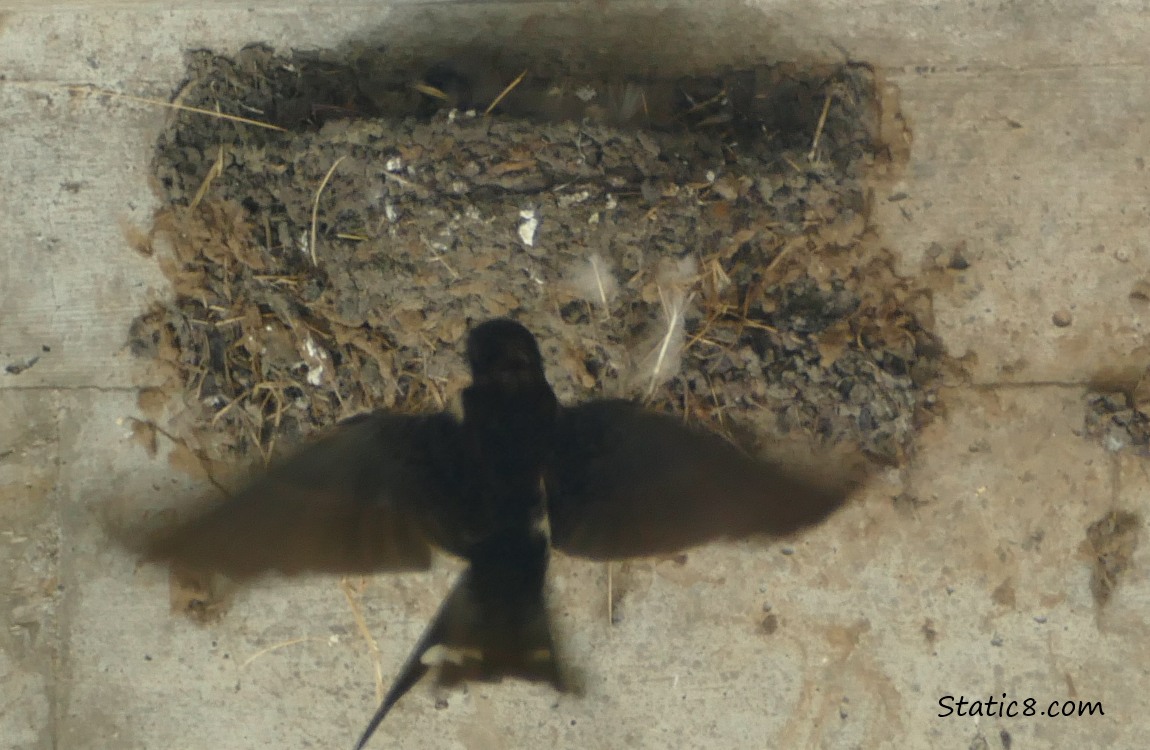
(509,416)
(517,475)
(494,622)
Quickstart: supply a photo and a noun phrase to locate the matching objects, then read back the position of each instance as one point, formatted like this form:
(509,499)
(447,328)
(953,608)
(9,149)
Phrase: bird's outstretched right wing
(628,482)
(367,497)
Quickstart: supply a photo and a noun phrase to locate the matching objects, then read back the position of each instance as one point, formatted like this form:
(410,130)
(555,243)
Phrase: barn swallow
(517,475)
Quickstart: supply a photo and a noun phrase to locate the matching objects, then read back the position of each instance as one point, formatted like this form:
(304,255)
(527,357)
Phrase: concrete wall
(1030,125)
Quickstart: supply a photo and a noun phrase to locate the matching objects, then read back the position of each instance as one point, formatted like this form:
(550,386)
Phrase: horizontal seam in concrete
(73,388)
(1019,385)
(972,68)
(102,89)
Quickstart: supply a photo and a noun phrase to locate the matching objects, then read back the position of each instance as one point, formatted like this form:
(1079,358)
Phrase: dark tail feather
(482,635)
(412,673)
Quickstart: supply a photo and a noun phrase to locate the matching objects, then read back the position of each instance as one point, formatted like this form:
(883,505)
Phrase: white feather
(664,359)
(594,282)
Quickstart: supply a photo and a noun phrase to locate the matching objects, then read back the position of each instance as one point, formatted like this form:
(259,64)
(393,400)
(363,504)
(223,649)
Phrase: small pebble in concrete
(1062,318)
(958,261)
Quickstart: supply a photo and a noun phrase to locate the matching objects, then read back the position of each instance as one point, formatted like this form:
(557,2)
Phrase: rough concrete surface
(1031,123)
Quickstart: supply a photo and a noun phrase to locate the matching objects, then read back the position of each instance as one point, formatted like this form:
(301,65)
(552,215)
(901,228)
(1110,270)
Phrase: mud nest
(701,243)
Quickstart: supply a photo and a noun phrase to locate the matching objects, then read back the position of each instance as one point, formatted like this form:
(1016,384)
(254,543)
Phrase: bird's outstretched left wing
(367,497)
(628,482)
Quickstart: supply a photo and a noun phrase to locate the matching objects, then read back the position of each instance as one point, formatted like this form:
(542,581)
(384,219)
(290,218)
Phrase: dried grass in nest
(262,367)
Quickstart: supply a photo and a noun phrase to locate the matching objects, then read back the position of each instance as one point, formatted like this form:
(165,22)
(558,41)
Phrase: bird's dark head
(503,350)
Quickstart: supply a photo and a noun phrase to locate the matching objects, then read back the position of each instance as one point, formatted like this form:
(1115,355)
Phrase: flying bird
(516,476)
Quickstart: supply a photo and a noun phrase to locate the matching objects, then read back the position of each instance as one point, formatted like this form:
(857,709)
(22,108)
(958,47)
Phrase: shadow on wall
(598,36)
(473,50)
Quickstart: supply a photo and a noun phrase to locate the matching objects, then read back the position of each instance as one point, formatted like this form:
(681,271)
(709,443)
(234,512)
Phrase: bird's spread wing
(362,499)
(628,482)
